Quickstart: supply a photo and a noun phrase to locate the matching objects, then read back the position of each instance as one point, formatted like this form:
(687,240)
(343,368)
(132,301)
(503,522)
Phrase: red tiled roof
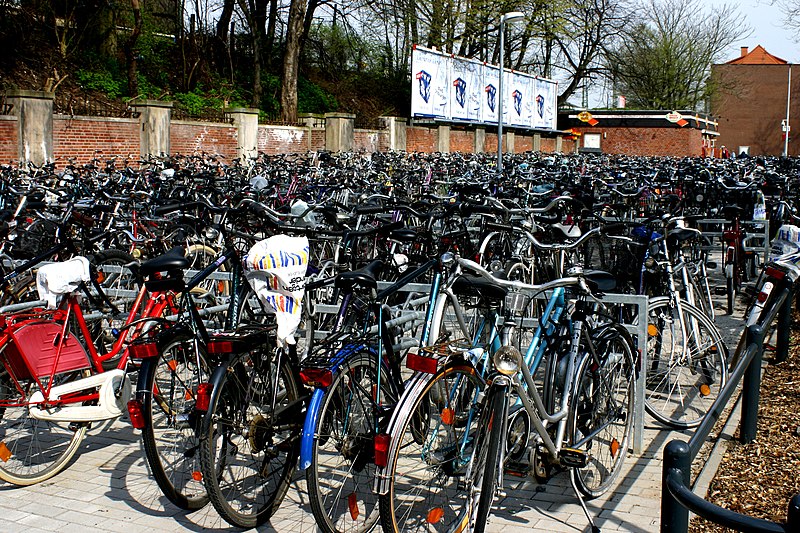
(758,56)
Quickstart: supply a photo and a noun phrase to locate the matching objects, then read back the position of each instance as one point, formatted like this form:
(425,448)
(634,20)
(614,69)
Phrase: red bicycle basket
(35,347)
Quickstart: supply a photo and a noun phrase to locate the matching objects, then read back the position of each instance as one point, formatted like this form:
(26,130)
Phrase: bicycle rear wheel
(249,437)
(601,410)
(436,439)
(32,450)
(167,389)
(686,364)
(342,470)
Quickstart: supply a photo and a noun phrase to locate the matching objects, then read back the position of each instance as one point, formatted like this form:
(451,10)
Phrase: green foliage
(101,80)
(312,98)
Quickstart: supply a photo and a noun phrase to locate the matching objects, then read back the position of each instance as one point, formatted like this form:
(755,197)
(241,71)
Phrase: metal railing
(677,498)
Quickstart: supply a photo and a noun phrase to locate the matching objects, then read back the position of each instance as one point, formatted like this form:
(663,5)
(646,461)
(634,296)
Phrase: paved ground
(107,488)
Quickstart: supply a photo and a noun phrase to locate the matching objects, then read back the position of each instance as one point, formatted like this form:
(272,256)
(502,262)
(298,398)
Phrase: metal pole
(751,386)
(788,100)
(500,104)
(674,516)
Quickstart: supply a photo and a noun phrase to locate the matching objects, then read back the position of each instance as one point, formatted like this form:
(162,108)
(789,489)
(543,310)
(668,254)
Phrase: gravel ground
(760,478)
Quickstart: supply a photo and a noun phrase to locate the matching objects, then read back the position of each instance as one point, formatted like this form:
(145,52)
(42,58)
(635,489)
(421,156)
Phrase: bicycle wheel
(249,437)
(686,364)
(488,456)
(436,438)
(601,410)
(170,433)
(342,469)
(31,450)
(731,293)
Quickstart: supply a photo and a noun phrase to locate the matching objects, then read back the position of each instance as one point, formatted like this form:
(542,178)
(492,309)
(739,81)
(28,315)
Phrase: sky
(768,30)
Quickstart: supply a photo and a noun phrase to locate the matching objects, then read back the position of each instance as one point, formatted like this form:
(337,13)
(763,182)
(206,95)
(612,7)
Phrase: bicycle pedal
(517,469)
(573,458)
(720,291)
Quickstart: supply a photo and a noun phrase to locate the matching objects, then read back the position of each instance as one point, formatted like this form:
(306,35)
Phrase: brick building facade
(750,104)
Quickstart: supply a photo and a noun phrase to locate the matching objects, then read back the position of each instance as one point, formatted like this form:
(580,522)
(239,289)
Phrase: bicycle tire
(731,294)
(675,393)
(33,450)
(167,387)
(428,497)
(602,407)
(247,458)
(342,469)
(496,411)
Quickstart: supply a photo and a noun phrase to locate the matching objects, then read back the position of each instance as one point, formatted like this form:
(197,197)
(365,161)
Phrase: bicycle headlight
(507,360)
(211,233)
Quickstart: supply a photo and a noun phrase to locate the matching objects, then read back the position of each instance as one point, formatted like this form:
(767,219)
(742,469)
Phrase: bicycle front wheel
(167,389)
(249,438)
(342,469)
(686,363)
(489,457)
(32,450)
(601,410)
(436,441)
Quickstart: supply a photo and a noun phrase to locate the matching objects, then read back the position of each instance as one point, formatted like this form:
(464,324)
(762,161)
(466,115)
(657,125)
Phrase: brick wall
(419,139)
(8,139)
(676,142)
(462,141)
(523,143)
(548,145)
(209,137)
(370,140)
(79,137)
(287,139)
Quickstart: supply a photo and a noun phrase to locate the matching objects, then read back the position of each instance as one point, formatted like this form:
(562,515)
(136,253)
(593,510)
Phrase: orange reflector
(435,515)
(221,286)
(172,364)
(652,330)
(705,390)
(448,416)
(197,476)
(614,447)
(101,276)
(352,503)
(188,395)
(5,453)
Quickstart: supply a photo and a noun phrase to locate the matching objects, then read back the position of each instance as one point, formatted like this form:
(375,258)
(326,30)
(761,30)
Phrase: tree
(791,13)
(663,60)
(291,60)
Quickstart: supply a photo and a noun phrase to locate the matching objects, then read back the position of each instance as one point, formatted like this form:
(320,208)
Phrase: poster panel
(430,77)
(490,96)
(466,89)
(520,106)
(544,104)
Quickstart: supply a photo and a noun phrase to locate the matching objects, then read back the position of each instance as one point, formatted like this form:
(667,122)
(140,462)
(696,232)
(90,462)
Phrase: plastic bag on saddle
(276,270)
(57,279)
(787,241)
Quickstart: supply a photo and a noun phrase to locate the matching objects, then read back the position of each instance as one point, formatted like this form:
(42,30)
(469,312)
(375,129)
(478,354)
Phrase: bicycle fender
(309,428)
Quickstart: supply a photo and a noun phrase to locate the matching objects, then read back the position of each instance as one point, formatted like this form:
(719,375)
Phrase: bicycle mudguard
(309,428)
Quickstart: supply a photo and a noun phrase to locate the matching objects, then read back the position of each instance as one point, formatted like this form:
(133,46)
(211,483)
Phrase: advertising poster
(430,80)
(466,90)
(490,97)
(520,107)
(544,104)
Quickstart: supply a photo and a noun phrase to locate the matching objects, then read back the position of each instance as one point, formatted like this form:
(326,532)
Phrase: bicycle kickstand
(595,529)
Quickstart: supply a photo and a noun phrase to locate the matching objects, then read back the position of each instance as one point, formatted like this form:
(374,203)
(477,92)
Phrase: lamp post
(786,127)
(512,16)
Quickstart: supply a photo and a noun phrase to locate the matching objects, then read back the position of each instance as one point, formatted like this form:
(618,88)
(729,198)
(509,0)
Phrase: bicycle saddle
(363,278)
(600,280)
(683,234)
(478,286)
(404,235)
(172,260)
(732,211)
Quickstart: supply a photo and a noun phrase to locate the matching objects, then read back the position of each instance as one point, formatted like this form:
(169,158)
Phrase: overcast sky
(768,30)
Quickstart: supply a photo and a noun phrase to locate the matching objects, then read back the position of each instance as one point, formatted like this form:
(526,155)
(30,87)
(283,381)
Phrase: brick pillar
(537,142)
(34,112)
(245,120)
(508,147)
(339,131)
(154,121)
(443,139)
(396,127)
(480,140)
(559,144)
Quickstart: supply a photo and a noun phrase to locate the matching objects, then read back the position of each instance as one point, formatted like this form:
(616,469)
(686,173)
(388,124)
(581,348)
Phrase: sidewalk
(107,488)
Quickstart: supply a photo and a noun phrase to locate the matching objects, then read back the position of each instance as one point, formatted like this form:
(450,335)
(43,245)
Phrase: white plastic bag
(276,270)
(56,279)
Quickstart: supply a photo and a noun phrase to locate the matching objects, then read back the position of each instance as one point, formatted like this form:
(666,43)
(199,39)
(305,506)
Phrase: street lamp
(512,16)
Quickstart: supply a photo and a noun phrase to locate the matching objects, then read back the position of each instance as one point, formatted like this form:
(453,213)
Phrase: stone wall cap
(23,93)
(150,103)
(340,115)
(242,110)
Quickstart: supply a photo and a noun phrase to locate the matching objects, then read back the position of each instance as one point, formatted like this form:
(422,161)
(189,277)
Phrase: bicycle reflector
(143,350)
(420,363)
(316,377)
(774,273)
(507,360)
(218,346)
(203,399)
(135,412)
(382,449)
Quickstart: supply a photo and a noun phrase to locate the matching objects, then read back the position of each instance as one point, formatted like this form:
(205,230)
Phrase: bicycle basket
(34,351)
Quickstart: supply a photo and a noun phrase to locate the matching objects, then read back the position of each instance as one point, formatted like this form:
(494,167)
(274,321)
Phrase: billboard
(457,89)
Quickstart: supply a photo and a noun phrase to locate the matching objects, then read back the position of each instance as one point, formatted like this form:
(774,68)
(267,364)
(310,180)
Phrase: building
(750,103)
